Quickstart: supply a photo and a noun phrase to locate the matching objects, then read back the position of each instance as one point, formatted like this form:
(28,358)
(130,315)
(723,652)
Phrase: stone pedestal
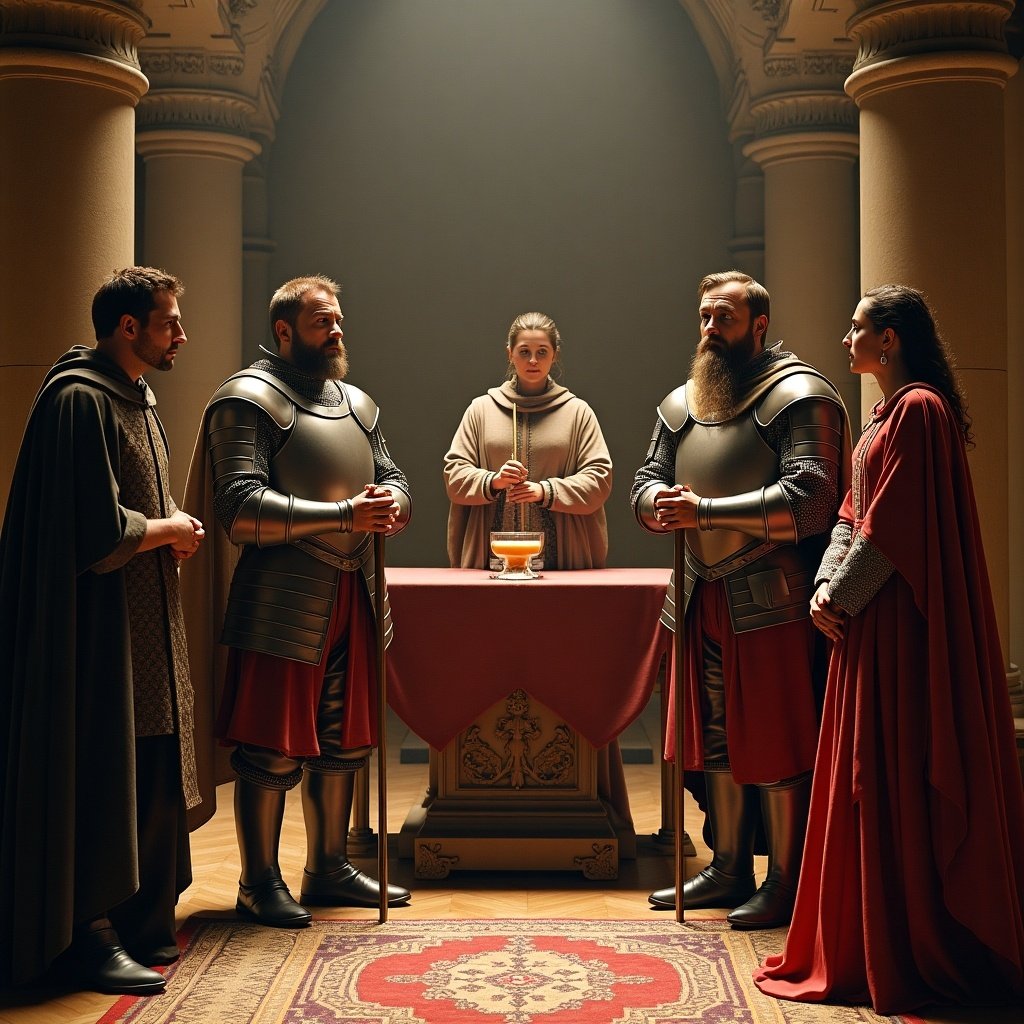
(516,791)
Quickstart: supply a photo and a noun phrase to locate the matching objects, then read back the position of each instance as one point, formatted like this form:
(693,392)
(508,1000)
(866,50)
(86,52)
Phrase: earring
(884,360)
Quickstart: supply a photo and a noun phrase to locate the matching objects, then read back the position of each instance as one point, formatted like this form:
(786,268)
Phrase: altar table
(516,685)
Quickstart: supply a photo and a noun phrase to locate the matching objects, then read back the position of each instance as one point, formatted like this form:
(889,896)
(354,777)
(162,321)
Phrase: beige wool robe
(561,444)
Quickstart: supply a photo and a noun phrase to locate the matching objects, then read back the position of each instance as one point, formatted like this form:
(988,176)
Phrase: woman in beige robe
(559,476)
(557,481)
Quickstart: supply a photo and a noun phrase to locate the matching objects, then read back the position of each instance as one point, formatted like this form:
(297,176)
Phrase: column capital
(92,42)
(906,42)
(800,125)
(198,121)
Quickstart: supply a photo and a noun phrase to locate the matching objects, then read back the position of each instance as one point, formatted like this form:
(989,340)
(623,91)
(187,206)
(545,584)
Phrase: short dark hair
(130,291)
(287,302)
(758,300)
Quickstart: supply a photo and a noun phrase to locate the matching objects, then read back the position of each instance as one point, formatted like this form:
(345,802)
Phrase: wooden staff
(517,518)
(678,650)
(382,730)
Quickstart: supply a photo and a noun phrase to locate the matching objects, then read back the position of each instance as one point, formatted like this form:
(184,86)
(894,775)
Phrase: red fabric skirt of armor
(771,707)
(272,702)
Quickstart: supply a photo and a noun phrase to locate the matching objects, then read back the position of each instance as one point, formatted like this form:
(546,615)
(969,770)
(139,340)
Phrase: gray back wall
(456,162)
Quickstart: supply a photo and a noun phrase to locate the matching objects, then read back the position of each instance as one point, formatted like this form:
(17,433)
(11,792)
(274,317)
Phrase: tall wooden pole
(382,726)
(679,704)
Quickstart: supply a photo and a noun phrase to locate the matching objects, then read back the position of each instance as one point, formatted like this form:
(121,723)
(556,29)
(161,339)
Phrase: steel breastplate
(327,457)
(718,460)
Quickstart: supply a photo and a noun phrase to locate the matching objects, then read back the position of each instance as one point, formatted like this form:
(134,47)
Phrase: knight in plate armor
(749,458)
(300,479)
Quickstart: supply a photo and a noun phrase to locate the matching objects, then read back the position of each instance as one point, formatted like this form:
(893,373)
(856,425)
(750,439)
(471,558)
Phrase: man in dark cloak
(96,748)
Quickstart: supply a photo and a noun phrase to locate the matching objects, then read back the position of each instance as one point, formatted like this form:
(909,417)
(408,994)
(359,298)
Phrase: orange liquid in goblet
(516,553)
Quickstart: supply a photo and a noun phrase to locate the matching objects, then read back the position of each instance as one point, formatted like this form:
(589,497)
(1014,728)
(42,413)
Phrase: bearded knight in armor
(300,477)
(750,458)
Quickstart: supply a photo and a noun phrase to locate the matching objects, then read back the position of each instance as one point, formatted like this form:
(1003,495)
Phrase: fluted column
(929,81)
(195,146)
(806,145)
(69,82)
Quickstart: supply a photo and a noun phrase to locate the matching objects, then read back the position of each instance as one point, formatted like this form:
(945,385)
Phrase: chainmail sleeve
(659,468)
(232,494)
(810,485)
(839,545)
(862,575)
(660,465)
(384,469)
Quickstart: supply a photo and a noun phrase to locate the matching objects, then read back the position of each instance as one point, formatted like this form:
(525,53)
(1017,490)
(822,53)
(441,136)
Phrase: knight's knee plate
(264,767)
(344,763)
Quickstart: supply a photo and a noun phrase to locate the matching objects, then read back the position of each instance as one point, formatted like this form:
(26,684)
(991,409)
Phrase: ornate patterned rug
(473,972)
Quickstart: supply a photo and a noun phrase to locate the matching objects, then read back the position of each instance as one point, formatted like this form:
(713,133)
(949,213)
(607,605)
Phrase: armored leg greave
(328,783)
(330,879)
(264,778)
(729,880)
(784,806)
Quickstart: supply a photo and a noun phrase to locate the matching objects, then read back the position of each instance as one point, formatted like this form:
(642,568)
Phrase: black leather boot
(262,894)
(729,880)
(101,963)
(784,806)
(329,879)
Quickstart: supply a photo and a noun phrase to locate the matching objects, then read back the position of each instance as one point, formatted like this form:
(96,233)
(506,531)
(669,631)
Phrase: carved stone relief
(509,755)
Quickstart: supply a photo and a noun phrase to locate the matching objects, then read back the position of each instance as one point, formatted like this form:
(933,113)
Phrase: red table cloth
(586,643)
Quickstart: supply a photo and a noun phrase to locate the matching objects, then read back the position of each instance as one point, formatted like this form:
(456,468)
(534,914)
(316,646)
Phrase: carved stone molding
(192,63)
(784,113)
(602,865)
(240,8)
(504,756)
(904,28)
(770,10)
(809,64)
(956,66)
(190,142)
(776,149)
(100,28)
(198,109)
(432,863)
(75,68)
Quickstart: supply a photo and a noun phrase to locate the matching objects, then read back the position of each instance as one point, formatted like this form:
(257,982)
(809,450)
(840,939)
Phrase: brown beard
(716,374)
(317,363)
(714,387)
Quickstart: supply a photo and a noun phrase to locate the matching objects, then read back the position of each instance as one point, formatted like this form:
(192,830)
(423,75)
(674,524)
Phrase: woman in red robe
(912,887)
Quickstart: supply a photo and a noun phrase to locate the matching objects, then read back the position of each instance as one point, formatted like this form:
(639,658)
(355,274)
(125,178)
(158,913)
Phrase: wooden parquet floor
(465,895)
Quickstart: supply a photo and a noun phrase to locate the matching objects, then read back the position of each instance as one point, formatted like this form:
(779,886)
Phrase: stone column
(193,228)
(69,82)
(929,81)
(747,244)
(258,247)
(1014,121)
(806,144)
